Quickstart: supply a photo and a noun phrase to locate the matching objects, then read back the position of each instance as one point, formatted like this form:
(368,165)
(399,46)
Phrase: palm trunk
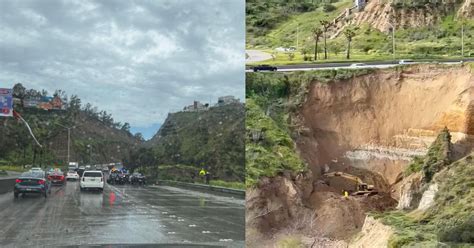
(316,50)
(325,47)
(348,55)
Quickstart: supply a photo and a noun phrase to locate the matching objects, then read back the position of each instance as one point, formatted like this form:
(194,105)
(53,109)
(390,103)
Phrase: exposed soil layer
(380,13)
(385,110)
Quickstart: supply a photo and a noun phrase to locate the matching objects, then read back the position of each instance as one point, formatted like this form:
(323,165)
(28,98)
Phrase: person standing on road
(208,177)
(202,175)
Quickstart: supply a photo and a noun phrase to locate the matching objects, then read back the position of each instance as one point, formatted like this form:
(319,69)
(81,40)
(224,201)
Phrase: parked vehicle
(92,180)
(57,177)
(32,182)
(137,178)
(72,175)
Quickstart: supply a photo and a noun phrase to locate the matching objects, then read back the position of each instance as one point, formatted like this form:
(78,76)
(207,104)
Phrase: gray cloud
(135,59)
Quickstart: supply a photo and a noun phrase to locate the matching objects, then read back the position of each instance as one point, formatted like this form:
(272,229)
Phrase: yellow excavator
(361,188)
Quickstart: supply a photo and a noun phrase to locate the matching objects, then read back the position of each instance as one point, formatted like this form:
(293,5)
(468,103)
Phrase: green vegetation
(188,141)
(290,242)
(450,220)
(94,128)
(438,157)
(271,153)
(12,168)
(262,16)
(269,148)
(442,40)
(415,166)
(232,185)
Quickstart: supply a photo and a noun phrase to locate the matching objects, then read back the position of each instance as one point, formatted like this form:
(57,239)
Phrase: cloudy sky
(135,59)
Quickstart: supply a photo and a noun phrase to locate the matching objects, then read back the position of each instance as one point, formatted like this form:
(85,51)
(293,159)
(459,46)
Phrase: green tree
(126,127)
(317,32)
(325,24)
(139,136)
(19,91)
(349,33)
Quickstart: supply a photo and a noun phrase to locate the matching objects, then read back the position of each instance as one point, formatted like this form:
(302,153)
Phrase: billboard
(44,102)
(6,102)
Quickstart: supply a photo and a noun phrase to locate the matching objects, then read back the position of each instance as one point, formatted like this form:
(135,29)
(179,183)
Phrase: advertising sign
(44,102)
(6,102)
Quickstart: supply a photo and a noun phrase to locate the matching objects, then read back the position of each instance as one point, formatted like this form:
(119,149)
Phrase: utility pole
(68,141)
(297,35)
(68,145)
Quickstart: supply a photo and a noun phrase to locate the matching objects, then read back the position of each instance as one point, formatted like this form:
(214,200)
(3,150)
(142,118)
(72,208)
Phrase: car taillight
(83,179)
(41,181)
(62,177)
(101,179)
(49,177)
(18,181)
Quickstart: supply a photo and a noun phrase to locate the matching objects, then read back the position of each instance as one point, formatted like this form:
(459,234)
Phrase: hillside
(213,139)
(108,141)
(405,130)
(423,29)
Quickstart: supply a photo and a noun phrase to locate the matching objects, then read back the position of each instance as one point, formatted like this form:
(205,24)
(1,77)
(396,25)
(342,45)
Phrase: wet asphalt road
(159,216)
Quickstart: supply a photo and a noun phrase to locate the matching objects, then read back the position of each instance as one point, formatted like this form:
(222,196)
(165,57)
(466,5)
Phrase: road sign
(6,102)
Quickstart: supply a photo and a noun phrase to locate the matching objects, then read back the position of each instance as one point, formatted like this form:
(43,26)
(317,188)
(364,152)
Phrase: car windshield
(92,174)
(33,174)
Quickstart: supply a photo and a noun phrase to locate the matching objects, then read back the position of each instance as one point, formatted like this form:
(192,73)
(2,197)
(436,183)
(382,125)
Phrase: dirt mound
(374,234)
(380,13)
(375,109)
(337,217)
(276,202)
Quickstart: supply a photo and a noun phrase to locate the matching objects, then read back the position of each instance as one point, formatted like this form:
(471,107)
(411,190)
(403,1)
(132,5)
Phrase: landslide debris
(333,118)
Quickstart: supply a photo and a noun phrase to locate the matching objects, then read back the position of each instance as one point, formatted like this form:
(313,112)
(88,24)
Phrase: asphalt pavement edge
(203,187)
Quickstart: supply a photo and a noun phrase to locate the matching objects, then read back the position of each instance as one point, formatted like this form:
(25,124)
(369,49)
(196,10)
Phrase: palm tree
(325,24)
(317,32)
(349,34)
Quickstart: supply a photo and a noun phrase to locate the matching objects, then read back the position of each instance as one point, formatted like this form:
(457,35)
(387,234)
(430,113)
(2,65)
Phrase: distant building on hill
(196,106)
(224,100)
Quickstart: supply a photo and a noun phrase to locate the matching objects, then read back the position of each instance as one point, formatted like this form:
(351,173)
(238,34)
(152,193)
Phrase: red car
(57,177)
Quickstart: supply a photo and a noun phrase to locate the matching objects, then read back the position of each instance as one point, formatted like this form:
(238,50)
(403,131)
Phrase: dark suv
(32,182)
(264,68)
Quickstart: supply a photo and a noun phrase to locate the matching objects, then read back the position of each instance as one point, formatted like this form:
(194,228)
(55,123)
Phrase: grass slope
(450,222)
(440,41)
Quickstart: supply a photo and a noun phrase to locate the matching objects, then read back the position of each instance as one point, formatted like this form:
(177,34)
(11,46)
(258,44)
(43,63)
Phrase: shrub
(329,8)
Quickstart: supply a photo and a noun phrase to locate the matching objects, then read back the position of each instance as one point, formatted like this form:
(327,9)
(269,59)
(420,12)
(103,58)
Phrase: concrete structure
(360,4)
(196,106)
(224,100)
